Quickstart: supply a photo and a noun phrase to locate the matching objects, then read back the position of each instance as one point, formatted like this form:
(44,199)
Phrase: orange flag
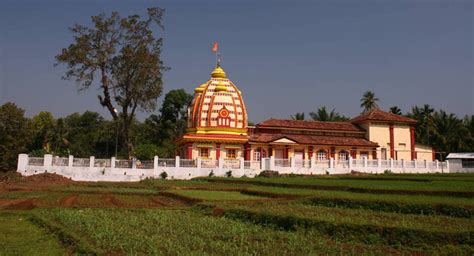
(215,48)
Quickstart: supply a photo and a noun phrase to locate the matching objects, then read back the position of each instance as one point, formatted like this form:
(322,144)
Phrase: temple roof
(313,140)
(379,115)
(314,125)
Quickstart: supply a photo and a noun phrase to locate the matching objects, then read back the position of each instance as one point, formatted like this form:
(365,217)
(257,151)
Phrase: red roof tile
(379,115)
(313,125)
(313,140)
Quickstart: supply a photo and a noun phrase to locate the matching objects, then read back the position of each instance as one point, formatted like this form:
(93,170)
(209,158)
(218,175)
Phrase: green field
(383,215)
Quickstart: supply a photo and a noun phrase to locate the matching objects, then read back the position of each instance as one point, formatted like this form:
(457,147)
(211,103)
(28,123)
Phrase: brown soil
(110,199)
(68,201)
(18,204)
(47,179)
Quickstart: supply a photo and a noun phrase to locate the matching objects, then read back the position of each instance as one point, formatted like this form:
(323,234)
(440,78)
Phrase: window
(364,154)
(231,153)
(204,152)
(258,154)
(342,155)
(322,155)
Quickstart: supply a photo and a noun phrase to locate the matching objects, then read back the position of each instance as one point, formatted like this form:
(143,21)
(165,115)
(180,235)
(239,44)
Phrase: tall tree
(449,133)
(396,110)
(15,135)
(368,101)
(322,114)
(126,56)
(298,116)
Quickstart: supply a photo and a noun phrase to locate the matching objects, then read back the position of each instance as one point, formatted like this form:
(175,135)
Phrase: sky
(285,56)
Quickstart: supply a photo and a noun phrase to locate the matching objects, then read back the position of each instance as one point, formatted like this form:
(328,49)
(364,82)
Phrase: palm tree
(424,125)
(368,101)
(449,133)
(322,114)
(396,110)
(298,116)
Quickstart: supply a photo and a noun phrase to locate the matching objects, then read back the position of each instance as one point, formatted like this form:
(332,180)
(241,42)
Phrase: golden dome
(218,73)
(220,87)
(201,88)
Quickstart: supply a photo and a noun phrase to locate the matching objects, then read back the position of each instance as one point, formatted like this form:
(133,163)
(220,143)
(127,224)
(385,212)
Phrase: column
(218,151)
(176,162)
(48,161)
(247,152)
(155,163)
(91,161)
(22,162)
(310,152)
(70,161)
(189,151)
(350,162)
(412,142)
(392,142)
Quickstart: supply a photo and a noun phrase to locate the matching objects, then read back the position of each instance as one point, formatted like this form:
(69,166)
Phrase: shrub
(164,175)
(387,171)
(268,174)
(146,151)
(211,174)
(228,174)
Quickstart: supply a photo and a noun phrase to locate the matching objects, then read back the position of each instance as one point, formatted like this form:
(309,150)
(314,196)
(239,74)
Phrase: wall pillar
(22,162)
(176,162)
(392,142)
(350,162)
(48,161)
(218,151)
(112,162)
(331,163)
(247,152)
(70,161)
(155,163)
(412,142)
(189,151)
(310,152)
(242,163)
(91,161)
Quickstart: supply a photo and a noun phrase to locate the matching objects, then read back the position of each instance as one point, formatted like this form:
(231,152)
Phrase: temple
(217,128)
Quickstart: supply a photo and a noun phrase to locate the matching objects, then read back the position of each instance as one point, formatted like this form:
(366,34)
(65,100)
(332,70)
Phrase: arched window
(343,155)
(223,119)
(322,155)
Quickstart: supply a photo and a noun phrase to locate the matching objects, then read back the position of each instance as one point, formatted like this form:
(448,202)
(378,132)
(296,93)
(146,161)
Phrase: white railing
(102,162)
(409,164)
(36,161)
(231,164)
(60,161)
(420,164)
(167,162)
(145,164)
(209,163)
(372,163)
(81,162)
(252,164)
(322,163)
(187,163)
(396,164)
(282,162)
(384,163)
(123,163)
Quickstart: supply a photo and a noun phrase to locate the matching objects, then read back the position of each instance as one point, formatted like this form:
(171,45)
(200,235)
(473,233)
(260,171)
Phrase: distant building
(461,162)
(217,128)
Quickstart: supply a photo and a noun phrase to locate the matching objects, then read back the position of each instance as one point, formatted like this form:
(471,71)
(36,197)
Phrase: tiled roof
(379,115)
(314,125)
(313,140)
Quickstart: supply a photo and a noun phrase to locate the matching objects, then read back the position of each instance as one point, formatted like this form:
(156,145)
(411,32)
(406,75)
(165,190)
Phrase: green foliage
(298,116)
(322,114)
(368,101)
(146,151)
(125,54)
(15,135)
(164,175)
(228,174)
(395,110)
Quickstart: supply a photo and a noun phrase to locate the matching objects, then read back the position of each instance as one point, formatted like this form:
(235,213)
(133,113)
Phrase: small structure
(461,162)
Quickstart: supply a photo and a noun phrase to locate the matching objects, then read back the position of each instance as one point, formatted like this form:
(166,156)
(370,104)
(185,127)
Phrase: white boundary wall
(92,169)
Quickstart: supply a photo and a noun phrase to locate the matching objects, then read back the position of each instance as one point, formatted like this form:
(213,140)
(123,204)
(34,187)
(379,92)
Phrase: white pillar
(426,164)
(379,163)
(176,159)
(155,163)
(242,163)
(272,163)
(391,163)
(22,162)
(447,165)
(48,161)
(198,163)
(437,164)
(312,161)
(350,162)
(70,161)
(134,163)
(365,162)
(403,163)
(220,163)
(331,163)
(91,161)
(415,163)
(112,163)
(292,162)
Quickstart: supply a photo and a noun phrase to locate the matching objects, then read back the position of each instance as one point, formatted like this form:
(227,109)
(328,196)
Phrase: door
(279,154)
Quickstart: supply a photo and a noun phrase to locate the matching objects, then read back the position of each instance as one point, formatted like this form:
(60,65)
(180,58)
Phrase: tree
(424,126)
(43,127)
(126,55)
(396,110)
(298,116)
(15,135)
(368,101)
(322,114)
(449,133)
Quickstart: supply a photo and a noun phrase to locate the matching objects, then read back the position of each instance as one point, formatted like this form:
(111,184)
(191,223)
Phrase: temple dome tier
(217,107)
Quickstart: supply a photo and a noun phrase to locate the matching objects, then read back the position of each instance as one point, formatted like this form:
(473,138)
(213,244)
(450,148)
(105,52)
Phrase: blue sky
(285,56)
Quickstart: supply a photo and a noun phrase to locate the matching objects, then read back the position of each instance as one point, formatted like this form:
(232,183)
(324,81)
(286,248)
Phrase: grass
(216,216)
(19,236)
